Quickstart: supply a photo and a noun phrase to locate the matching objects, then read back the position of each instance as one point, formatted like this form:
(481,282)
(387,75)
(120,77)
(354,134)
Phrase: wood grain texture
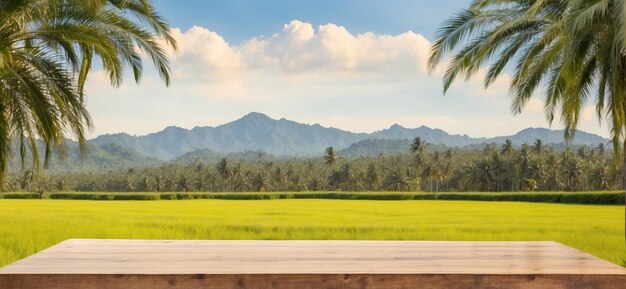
(310,264)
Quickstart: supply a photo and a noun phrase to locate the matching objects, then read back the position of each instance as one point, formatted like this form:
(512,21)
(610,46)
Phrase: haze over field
(356,65)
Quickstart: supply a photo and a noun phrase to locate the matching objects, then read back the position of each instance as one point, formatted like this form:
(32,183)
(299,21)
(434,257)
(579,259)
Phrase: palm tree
(600,178)
(280,179)
(428,174)
(448,167)
(524,162)
(335,179)
(537,172)
(317,183)
(330,157)
(538,147)
(396,182)
(225,172)
(372,178)
(298,183)
(347,177)
(485,172)
(439,174)
(507,147)
(488,148)
(573,171)
(242,183)
(601,150)
(470,175)
(507,151)
(576,49)
(496,165)
(418,146)
(261,183)
(46,54)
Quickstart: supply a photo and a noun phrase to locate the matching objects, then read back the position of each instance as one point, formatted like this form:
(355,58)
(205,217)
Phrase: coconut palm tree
(600,177)
(497,164)
(298,183)
(539,147)
(574,49)
(418,146)
(573,171)
(330,157)
(261,182)
(486,174)
(225,172)
(396,181)
(524,162)
(507,147)
(508,151)
(47,49)
(372,177)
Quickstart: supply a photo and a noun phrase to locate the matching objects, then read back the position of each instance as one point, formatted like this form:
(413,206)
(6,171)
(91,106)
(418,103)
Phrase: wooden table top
(146,257)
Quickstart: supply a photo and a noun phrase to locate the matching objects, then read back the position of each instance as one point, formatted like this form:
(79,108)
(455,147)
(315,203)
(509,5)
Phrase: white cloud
(299,49)
(322,74)
(204,53)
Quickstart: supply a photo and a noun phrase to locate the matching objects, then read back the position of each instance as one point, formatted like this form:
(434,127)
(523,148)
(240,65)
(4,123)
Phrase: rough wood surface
(310,264)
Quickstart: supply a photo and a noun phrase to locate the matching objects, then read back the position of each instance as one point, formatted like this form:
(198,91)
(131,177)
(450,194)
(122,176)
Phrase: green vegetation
(32,225)
(590,198)
(427,168)
(46,53)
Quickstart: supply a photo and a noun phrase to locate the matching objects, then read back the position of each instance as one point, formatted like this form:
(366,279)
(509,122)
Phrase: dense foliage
(47,49)
(489,168)
(589,198)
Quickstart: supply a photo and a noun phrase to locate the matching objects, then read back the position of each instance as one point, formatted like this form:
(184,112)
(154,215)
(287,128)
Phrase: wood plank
(313,281)
(83,263)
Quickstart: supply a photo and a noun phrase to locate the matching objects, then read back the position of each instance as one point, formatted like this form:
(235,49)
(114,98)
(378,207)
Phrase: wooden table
(139,264)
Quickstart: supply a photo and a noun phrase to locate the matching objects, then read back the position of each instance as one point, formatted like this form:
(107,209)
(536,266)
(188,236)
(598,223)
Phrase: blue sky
(238,20)
(355,65)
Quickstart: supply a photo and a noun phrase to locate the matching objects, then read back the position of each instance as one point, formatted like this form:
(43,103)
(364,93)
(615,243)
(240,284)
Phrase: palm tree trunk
(624,184)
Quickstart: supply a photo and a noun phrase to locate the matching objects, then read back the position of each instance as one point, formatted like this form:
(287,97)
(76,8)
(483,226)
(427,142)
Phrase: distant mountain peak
(173,128)
(256,116)
(396,126)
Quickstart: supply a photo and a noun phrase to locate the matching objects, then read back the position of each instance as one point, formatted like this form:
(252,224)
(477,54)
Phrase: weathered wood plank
(310,264)
(314,281)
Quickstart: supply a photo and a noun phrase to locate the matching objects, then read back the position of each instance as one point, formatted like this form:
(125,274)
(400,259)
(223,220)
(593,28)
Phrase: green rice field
(27,226)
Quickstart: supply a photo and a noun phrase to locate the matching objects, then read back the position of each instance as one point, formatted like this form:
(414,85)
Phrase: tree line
(491,167)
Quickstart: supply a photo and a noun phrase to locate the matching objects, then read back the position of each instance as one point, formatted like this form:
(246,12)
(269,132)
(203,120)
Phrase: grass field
(27,226)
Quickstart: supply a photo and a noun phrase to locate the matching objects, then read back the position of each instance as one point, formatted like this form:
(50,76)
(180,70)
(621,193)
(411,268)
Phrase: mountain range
(252,132)
(256,133)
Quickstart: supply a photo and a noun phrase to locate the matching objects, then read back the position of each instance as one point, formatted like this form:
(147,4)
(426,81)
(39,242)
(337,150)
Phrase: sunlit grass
(27,226)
